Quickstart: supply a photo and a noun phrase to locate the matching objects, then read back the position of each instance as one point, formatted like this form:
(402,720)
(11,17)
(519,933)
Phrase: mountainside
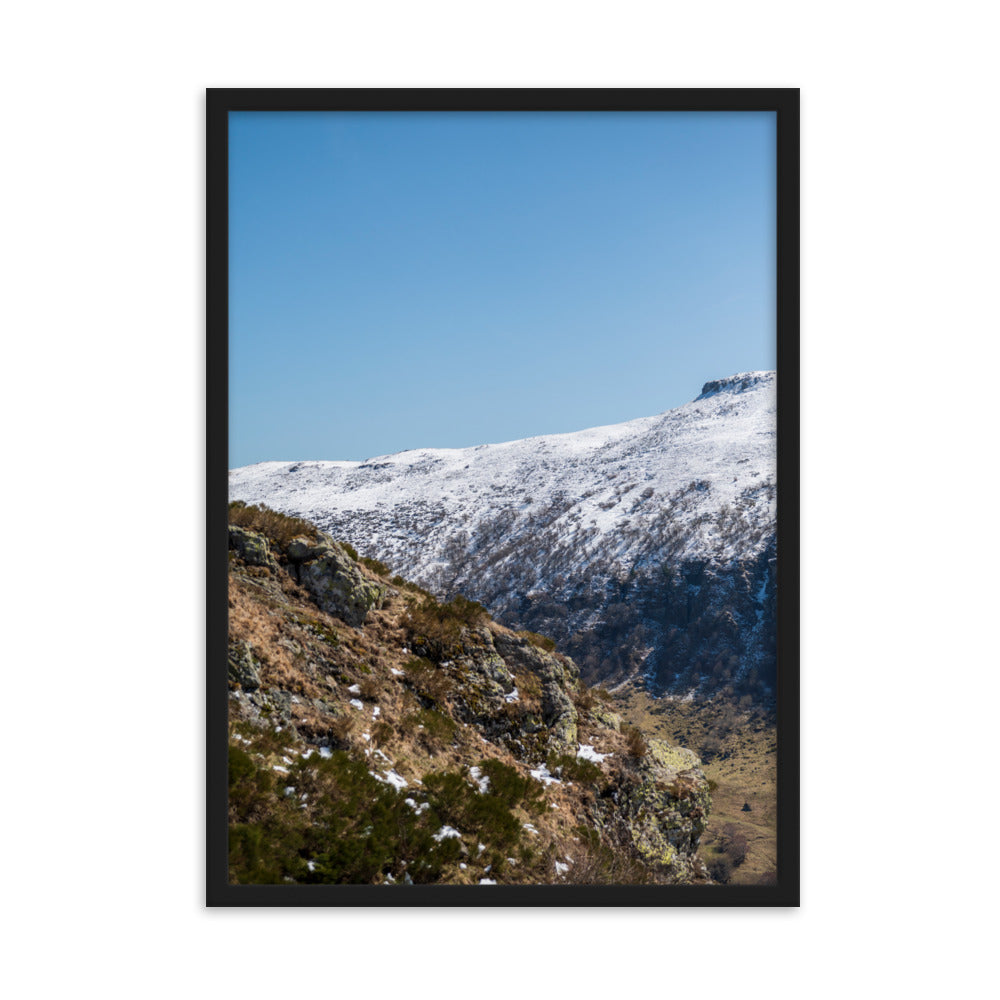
(645,548)
(378,736)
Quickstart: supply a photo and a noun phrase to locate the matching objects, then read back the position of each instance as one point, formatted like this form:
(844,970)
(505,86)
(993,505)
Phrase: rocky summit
(381,736)
(646,549)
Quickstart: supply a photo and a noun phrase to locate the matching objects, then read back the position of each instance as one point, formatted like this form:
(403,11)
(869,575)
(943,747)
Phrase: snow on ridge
(594,488)
(740,382)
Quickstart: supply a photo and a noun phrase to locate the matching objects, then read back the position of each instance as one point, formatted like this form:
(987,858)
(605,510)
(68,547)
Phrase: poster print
(502,416)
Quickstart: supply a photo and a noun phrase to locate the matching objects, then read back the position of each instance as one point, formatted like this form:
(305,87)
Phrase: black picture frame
(785,103)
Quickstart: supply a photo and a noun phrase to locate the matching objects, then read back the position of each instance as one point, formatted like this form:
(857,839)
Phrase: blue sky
(406,280)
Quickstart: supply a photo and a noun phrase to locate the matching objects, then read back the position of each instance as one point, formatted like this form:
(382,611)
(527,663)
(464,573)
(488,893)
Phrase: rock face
(251,547)
(557,677)
(644,549)
(665,808)
(243,668)
(339,586)
(434,702)
(322,566)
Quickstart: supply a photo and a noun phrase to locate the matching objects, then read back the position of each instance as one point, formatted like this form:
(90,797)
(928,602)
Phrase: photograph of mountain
(503,499)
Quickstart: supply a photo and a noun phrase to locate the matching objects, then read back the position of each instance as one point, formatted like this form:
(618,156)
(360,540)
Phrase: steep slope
(644,548)
(379,736)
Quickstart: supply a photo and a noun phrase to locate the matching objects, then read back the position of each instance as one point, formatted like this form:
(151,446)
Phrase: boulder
(339,586)
(300,548)
(251,547)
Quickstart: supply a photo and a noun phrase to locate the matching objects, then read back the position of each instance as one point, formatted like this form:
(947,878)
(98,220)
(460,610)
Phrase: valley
(738,751)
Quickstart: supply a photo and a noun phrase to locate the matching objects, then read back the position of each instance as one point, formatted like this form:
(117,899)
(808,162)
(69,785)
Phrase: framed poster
(502,453)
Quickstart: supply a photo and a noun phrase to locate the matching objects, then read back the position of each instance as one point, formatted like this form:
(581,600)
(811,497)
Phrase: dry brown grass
(541,641)
(529,689)
(311,654)
(263,628)
(635,742)
(270,523)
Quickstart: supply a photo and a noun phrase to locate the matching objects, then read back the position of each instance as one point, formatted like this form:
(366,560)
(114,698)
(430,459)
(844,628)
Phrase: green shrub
(541,641)
(511,787)
(375,565)
(570,768)
(429,680)
(398,581)
(350,550)
(271,523)
(486,816)
(441,623)
(440,728)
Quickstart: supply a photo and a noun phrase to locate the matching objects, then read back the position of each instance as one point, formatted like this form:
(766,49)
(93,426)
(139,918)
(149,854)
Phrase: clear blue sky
(406,280)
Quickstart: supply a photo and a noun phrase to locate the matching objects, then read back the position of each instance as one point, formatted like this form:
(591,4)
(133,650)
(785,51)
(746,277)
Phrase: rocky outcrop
(244,670)
(558,676)
(251,547)
(339,586)
(447,720)
(664,805)
(321,565)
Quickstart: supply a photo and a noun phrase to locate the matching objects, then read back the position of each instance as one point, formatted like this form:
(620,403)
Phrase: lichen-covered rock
(251,547)
(558,676)
(339,586)
(664,805)
(300,548)
(606,717)
(243,668)
(484,680)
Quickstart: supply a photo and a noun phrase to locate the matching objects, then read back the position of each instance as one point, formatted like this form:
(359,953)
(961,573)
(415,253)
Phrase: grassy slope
(322,664)
(744,771)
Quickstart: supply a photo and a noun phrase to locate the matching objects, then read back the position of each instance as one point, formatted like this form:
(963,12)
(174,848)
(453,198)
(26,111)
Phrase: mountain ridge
(646,547)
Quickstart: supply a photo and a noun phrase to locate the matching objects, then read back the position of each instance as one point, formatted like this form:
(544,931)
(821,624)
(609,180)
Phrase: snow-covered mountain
(643,547)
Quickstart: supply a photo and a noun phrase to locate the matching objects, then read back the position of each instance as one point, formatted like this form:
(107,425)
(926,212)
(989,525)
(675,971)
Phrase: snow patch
(391,778)
(587,752)
(543,775)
